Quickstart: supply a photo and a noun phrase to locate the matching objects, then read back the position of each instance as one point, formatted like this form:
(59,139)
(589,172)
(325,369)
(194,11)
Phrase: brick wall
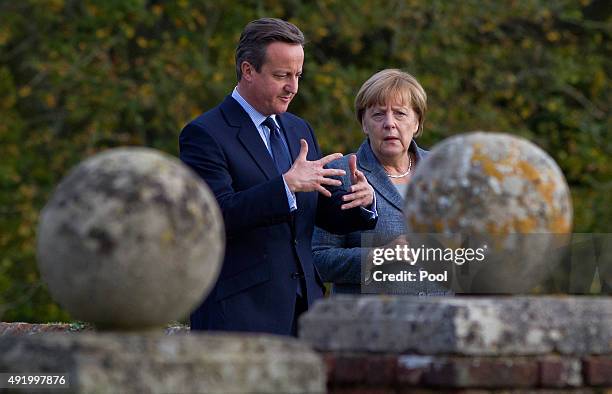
(387,345)
(365,372)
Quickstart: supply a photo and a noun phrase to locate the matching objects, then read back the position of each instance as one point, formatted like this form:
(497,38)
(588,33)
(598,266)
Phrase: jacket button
(295,241)
(296,275)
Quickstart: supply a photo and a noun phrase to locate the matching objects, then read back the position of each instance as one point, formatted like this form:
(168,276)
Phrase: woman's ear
(365,131)
(417,124)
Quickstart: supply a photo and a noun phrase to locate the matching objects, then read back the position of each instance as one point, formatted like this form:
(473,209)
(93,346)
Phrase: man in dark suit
(264,167)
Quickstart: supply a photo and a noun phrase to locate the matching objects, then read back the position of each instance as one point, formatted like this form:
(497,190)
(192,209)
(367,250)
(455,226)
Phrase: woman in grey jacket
(391,107)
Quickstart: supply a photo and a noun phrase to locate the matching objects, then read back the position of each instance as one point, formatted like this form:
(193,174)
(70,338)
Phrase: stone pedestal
(397,344)
(130,239)
(157,363)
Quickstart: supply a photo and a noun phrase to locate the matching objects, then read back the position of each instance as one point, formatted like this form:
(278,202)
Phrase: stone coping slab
(21,328)
(500,325)
(159,363)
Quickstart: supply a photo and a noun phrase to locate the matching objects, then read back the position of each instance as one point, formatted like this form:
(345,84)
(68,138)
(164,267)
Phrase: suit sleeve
(261,205)
(330,216)
(336,261)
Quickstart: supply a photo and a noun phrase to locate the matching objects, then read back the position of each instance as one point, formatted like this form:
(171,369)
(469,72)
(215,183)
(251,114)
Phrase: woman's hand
(361,193)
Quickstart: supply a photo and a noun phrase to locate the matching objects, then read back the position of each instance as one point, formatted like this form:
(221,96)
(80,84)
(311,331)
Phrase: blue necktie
(282,159)
(279,149)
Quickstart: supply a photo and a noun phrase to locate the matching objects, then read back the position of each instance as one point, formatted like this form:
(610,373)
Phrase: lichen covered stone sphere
(494,187)
(130,239)
(488,182)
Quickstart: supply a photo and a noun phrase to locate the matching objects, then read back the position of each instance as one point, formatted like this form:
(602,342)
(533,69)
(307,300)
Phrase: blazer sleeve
(335,220)
(335,260)
(261,205)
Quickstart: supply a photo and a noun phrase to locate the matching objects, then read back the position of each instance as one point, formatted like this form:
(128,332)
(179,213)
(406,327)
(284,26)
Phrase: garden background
(78,77)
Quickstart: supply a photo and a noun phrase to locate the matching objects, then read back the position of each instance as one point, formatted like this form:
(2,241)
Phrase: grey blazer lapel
(420,154)
(377,176)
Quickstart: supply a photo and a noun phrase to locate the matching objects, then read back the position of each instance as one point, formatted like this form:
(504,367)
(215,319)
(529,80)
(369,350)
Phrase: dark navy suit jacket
(265,243)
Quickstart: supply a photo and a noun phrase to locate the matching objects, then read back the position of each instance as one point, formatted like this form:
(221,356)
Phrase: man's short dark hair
(260,33)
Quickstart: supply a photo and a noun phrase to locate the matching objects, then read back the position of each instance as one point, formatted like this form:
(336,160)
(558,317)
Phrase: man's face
(271,90)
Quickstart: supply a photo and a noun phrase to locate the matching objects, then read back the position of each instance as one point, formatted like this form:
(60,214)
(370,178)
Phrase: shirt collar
(255,115)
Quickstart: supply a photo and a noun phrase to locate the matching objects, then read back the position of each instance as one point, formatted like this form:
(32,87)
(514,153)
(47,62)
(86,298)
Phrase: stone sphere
(498,190)
(130,239)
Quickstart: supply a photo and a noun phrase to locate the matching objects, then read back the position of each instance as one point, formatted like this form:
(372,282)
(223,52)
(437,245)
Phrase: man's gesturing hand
(308,176)
(362,194)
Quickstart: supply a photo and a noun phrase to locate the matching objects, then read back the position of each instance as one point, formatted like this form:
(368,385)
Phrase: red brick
(381,370)
(371,369)
(329,360)
(361,390)
(560,372)
(598,370)
(483,372)
(410,369)
(350,369)
(415,390)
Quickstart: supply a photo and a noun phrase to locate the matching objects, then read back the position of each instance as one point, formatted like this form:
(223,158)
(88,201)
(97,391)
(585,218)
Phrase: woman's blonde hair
(391,86)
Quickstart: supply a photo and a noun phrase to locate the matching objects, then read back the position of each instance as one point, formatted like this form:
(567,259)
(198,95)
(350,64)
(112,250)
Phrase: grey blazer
(338,257)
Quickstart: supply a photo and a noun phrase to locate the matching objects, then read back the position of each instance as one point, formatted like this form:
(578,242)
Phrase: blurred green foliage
(79,76)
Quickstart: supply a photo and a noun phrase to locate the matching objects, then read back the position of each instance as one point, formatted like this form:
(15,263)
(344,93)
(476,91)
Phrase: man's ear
(247,70)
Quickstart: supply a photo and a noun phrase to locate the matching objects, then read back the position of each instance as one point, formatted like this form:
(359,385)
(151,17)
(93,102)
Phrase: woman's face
(390,128)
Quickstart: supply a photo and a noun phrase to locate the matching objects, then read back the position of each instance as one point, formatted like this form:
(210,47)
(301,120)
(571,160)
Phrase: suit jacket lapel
(249,136)
(378,179)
